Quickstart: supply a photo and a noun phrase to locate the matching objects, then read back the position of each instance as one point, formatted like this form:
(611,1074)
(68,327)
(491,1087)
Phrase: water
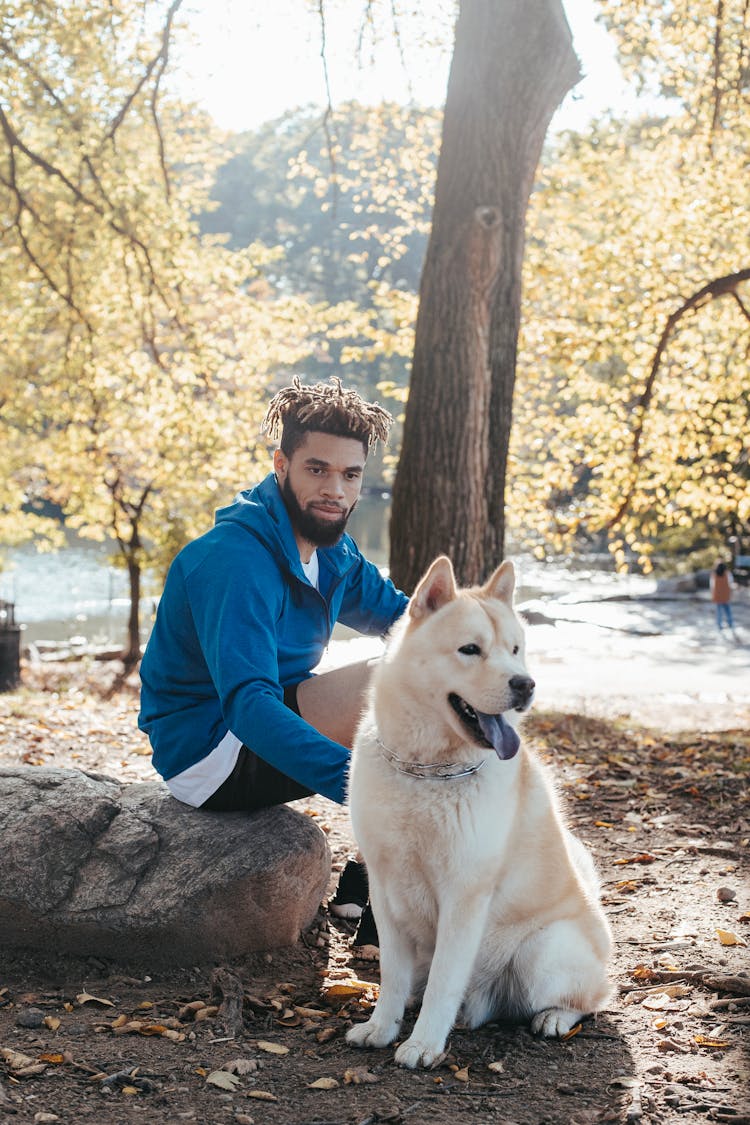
(76,594)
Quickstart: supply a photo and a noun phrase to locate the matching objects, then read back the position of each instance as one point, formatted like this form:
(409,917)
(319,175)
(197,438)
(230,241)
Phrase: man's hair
(327,408)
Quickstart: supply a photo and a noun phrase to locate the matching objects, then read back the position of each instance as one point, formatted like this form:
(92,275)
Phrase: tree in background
(634,399)
(136,355)
(512,64)
(349,201)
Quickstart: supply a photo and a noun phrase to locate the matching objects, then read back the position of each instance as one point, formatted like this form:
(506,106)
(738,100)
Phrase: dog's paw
(372,1034)
(554,1021)
(414,1053)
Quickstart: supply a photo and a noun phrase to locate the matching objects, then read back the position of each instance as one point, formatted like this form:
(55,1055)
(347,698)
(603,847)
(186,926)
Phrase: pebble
(30,1017)
(726,894)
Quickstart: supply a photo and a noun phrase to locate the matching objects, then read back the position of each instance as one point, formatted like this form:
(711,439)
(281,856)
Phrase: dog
(484,901)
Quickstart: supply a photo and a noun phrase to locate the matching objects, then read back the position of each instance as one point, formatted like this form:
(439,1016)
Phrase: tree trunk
(132,652)
(513,62)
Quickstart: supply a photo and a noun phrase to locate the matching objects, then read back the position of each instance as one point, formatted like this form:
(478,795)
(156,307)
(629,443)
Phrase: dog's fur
(481,895)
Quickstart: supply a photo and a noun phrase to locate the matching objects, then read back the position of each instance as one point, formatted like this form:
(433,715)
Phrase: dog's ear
(436,589)
(502,583)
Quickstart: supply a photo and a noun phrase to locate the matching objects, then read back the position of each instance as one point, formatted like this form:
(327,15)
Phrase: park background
(200,201)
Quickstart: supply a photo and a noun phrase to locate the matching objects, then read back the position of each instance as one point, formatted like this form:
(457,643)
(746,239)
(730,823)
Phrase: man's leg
(333,701)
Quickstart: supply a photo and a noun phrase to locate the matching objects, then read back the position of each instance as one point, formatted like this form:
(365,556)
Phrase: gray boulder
(126,872)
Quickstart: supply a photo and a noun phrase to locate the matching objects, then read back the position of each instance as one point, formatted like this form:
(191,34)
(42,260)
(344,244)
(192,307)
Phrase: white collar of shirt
(312,569)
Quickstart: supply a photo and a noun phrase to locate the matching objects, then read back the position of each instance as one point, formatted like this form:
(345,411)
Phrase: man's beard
(322,533)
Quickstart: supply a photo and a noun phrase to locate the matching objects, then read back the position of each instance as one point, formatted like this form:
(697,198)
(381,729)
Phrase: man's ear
(436,589)
(280,464)
(502,583)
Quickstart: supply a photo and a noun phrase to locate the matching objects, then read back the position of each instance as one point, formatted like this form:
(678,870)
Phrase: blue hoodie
(237,623)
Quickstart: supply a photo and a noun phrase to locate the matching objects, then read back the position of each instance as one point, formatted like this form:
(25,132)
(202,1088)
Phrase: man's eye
(470,650)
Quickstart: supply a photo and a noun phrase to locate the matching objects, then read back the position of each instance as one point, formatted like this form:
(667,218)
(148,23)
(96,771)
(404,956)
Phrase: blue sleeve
(371,602)
(235,611)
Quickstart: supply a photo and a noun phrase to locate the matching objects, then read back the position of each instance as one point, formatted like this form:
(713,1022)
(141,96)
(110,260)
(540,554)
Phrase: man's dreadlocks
(326,407)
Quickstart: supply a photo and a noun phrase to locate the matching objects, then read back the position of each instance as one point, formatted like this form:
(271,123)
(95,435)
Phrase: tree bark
(513,62)
(132,652)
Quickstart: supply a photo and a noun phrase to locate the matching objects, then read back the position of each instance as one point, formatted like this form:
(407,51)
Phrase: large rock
(88,866)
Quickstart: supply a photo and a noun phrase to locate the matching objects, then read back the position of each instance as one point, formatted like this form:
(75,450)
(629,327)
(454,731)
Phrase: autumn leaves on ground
(263,1039)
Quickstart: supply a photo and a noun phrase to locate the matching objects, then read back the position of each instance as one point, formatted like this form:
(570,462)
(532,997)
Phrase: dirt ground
(261,1040)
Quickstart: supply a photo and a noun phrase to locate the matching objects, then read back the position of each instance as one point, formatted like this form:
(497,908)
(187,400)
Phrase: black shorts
(253,783)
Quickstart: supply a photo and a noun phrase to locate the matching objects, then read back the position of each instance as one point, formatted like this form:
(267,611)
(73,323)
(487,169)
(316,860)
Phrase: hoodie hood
(261,511)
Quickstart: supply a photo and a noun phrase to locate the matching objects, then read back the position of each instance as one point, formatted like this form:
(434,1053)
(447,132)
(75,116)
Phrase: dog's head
(471,644)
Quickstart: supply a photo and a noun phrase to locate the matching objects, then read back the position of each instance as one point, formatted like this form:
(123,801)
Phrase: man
(236,718)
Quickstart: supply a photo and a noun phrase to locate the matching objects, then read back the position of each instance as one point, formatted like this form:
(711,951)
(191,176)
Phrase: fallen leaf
(668,999)
(323,1084)
(312,1013)
(726,937)
(271,1048)
(325,1034)
(130,1090)
(498,1067)
(54,1057)
(223,1079)
(241,1066)
(642,857)
(262,1095)
(359,1076)
(348,990)
(707,1041)
(187,1011)
(52,1022)
(573,1031)
(15,1059)
(87,998)
(207,1012)
(461,1075)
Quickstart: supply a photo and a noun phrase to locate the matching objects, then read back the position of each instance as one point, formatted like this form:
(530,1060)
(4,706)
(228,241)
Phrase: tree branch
(715,118)
(719,287)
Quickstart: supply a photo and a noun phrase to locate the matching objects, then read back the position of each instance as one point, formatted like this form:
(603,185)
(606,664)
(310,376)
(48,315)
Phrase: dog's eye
(470,650)
(515,650)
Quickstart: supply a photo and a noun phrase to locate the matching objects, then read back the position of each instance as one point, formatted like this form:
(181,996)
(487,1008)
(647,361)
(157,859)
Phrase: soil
(262,1039)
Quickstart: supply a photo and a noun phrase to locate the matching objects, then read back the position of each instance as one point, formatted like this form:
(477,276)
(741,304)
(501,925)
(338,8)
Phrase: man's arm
(371,602)
(236,615)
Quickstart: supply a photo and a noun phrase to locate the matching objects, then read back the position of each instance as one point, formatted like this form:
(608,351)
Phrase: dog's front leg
(396,980)
(459,933)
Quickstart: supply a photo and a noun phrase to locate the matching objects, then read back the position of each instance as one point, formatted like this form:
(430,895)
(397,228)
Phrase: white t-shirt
(312,569)
(195,785)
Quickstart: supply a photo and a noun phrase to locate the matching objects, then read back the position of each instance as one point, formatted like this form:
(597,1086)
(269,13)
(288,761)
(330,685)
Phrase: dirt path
(667,818)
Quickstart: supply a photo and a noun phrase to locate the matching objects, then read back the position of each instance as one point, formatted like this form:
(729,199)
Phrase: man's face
(321,483)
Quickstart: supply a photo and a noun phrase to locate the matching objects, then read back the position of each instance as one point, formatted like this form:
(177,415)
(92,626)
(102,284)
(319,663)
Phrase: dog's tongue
(501,734)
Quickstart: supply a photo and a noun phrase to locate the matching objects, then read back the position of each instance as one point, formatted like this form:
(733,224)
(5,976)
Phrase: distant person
(721,593)
(236,717)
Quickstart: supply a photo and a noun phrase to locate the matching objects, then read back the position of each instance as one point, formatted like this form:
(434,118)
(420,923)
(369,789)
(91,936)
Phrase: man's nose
(334,485)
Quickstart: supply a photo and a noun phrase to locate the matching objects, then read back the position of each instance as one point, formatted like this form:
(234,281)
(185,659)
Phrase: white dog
(481,895)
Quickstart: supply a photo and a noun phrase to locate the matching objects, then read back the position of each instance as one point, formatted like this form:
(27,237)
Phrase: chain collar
(431,771)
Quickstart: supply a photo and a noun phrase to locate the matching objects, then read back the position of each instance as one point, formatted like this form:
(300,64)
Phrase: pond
(76,594)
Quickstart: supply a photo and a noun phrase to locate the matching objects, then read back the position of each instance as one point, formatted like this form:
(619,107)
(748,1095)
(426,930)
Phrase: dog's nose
(522,688)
